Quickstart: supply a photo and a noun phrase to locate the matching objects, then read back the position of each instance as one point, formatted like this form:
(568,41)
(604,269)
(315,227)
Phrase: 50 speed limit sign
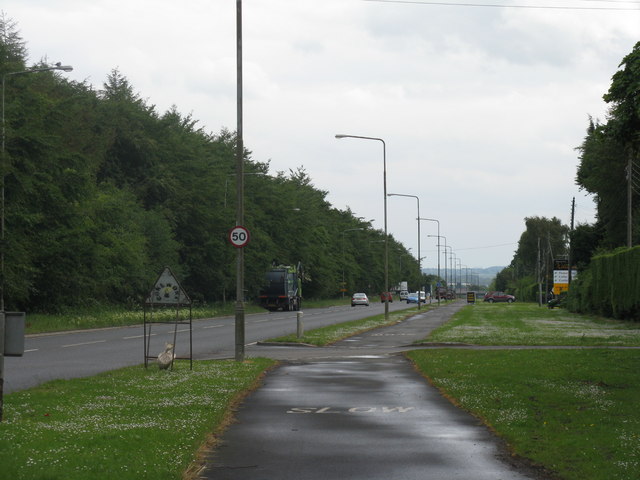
(239,236)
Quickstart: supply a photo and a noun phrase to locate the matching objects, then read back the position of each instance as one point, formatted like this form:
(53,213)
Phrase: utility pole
(538,265)
(629,199)
(573,215)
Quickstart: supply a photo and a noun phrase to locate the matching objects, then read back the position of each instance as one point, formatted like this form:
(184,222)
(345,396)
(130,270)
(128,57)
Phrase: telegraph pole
(629,199)
(573,215)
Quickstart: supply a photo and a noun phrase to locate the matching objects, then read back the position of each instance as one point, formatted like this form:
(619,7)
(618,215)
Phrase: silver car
(359,299)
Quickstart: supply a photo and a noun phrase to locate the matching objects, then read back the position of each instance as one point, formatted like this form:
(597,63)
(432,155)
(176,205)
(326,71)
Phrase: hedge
(610,286)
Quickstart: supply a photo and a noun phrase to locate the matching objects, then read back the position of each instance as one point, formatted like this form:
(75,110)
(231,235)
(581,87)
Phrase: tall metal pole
(629,201)
(419,258)
(386,236)
(438,222)
(240,321)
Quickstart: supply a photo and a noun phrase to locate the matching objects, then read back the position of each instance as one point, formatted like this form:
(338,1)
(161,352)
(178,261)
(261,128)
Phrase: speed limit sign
(239,236)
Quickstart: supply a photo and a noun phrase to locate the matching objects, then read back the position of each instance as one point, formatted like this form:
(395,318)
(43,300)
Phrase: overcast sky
(481,108)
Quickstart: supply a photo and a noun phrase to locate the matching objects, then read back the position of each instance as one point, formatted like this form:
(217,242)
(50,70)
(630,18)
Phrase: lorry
(402,289)
(282,289)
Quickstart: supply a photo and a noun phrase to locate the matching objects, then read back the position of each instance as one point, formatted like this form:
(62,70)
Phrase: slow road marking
(350,410)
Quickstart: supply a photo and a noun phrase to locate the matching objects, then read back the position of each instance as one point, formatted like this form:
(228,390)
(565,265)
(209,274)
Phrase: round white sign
(239,236)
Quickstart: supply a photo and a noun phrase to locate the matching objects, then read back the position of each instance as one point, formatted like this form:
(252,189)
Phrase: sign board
(471,297)
(239,236)
(561,276)
(167,291)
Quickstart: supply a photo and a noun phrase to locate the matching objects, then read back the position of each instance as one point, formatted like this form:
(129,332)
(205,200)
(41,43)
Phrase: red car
(386,296)
(499,297)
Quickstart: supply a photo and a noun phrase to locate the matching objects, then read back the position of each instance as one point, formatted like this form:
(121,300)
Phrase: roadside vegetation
(571,411)
(127,424)
(529,324)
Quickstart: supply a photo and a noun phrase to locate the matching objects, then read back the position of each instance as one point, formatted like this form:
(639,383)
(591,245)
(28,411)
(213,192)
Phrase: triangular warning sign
(167,291)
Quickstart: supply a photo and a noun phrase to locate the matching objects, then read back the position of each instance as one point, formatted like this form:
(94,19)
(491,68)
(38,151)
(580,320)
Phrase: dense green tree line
(604,159)
(102,191)
(605,155)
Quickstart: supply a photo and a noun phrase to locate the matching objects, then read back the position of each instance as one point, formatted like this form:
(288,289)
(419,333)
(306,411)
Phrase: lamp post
(58,66)
(343,232)
(386,236)
(450,261)
(438,222)
(239,307)
(446,286)
(419,259)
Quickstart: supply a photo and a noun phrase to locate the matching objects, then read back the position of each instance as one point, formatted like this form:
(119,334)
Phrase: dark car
(499,297)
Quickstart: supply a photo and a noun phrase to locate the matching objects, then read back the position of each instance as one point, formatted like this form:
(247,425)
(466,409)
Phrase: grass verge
(333,333)
(126,424)
(573,411)
(529,324)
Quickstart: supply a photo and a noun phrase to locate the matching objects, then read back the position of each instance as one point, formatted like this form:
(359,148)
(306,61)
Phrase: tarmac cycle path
(358,410)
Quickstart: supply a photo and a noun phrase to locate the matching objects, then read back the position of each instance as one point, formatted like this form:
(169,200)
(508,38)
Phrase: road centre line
(213,326)
(84,343)
(139,336)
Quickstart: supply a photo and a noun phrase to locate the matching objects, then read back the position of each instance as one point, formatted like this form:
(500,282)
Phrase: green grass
(333,333)
(126,424)
(573,411)
(529,324)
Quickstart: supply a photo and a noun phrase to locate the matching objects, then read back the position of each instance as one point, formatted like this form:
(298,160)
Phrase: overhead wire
(495,5)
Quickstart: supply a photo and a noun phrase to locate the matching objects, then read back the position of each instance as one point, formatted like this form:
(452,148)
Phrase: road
(85,353)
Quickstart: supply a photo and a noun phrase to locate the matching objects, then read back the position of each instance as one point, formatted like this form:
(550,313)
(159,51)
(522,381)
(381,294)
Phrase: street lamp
(386,236)
(343,232)
(419,259)
(434,220)
(57,66)
(450,261)
(446,285)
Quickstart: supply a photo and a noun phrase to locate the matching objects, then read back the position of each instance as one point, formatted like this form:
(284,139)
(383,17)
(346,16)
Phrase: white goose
(165,359)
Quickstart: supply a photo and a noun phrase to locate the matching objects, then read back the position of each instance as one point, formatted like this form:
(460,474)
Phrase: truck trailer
(282,289)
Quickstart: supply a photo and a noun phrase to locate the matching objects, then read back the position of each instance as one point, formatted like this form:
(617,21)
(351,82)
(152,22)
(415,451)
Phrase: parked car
(359,299)
(499,297)
(423,296)
(403,295)
(412,297)
(386,296)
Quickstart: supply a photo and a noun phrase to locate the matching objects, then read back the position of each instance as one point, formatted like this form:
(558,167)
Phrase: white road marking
(84,343)
(139,336)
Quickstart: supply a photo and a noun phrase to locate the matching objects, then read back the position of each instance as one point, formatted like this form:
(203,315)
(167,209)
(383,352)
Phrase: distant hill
(486,275)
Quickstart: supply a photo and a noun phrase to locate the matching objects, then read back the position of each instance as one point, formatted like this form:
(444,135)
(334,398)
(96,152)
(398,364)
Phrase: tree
(13,51)
(607,149)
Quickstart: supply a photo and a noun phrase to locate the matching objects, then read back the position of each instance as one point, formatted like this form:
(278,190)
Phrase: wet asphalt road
(357,410)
